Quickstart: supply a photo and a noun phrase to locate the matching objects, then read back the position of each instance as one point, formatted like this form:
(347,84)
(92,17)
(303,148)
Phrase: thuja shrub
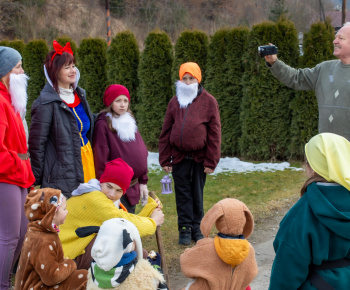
(191,46)
(155,88)
(304,106)
(123,58)
(34,54)
(224,73)
(17,44)
(92,55)
(4,42)
(265,113)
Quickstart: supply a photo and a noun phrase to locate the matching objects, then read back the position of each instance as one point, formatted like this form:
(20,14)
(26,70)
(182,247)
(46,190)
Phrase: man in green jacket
(330,80)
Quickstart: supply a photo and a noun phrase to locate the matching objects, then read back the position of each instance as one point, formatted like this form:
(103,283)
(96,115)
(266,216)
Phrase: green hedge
(155,89)
(4,42)
(34,57)
(92,54)
(266,116)
(191,46)
(123,60)
(17,44)
(304,106)
(261,118)
(224,74)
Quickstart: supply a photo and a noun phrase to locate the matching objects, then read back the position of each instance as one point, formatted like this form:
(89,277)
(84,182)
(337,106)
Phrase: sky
(230,165)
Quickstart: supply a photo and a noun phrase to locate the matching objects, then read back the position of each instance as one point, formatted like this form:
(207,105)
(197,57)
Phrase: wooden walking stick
(161,248)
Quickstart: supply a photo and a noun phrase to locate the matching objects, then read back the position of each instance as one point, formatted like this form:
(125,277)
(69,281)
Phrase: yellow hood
(328,155)
(231,251)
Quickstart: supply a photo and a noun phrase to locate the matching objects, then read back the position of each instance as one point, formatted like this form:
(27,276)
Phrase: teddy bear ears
(42,202)
(231,216)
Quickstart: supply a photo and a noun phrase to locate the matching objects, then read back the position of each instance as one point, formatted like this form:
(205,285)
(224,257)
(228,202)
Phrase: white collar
(67,95)
(125,125)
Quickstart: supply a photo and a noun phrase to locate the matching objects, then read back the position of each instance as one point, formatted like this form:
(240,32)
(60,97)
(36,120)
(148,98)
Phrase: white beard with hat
(186,93)
(19,97)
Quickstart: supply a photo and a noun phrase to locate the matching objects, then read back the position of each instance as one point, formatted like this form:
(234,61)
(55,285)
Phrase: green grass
(262,192)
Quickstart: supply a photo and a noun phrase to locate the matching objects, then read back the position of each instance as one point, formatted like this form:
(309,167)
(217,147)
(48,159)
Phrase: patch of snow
(229,165)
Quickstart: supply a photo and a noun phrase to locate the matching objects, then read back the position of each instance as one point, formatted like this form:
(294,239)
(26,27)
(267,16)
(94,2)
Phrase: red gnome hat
(119,172)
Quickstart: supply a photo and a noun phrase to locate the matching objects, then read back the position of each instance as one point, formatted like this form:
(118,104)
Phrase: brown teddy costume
(227,261)
(42,265)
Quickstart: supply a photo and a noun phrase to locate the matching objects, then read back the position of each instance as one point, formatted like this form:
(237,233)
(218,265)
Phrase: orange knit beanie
(191,68)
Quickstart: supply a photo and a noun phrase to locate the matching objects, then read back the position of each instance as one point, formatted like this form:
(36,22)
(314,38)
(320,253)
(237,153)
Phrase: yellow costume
(92,209)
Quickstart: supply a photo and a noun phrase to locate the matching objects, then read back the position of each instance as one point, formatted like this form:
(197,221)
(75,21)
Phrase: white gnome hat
(115,238)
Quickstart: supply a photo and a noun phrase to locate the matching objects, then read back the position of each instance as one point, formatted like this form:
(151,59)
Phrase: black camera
(267,50)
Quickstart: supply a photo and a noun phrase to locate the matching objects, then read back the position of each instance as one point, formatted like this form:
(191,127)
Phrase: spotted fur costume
(42,265)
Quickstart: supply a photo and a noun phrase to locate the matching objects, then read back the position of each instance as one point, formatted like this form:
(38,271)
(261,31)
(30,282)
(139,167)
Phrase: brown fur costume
(42,265)
(224,262)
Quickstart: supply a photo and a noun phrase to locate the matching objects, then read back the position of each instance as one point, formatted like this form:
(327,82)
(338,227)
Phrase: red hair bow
(59,49)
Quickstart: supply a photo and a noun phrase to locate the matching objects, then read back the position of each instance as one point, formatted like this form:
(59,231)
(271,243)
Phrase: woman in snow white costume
(61,126)
(116,136)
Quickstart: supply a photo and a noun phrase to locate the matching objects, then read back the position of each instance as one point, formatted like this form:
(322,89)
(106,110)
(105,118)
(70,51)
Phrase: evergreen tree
(17,45)
(4,43)
(191,46)
(304,106)
(265,115)
(155,89)
(123,60)
(93,69)
(34,57)
(224,74)
(277,10)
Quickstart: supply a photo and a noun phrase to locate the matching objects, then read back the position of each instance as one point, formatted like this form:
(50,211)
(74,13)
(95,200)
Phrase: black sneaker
(197,234)
(185,235)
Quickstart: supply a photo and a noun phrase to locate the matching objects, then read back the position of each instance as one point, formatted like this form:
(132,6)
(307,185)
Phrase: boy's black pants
(189,180)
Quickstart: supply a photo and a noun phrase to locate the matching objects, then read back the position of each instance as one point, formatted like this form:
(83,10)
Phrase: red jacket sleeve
(9,160)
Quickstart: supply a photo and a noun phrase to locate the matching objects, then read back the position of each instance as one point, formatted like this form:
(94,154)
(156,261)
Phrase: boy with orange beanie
(189,147)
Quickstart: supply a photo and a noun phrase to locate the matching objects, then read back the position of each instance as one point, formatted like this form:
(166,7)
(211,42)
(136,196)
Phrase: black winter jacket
(54,141)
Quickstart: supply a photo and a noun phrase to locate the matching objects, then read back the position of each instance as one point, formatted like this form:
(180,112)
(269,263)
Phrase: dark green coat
(316,229)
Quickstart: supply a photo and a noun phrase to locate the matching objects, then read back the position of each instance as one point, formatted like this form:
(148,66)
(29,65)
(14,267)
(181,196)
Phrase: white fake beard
(186,93)
(125,125)
(18,92)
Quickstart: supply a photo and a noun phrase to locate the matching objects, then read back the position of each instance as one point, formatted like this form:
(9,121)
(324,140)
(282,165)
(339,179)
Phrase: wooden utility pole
(343,13)
(322,15)
(108,24)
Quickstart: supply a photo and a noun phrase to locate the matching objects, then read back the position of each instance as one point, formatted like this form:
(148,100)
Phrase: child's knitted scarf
(115,276)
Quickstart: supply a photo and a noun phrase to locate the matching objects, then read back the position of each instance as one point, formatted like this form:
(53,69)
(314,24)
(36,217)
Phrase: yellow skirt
(87,159)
